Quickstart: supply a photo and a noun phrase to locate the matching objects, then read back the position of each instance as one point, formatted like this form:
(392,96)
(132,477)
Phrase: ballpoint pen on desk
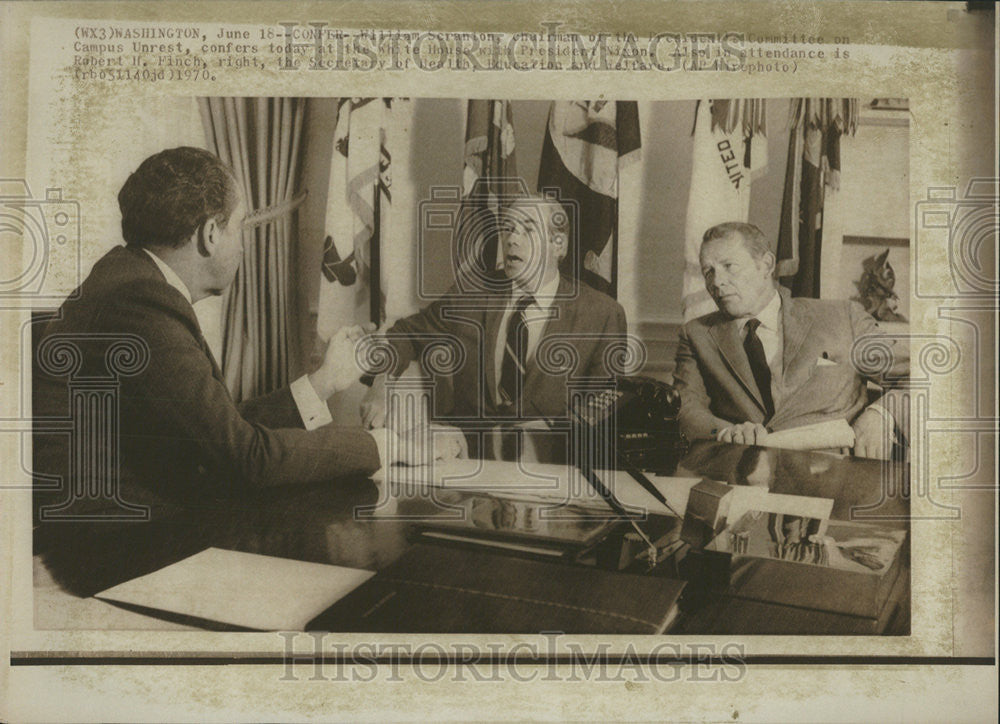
(632,470)
(595,482)
(619,509)
(646,483)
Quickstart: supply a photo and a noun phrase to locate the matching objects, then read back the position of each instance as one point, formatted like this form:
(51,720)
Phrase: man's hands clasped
(746,433)
(339,369)
(426,444)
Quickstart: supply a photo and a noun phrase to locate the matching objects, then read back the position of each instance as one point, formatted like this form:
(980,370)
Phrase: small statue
(875,289)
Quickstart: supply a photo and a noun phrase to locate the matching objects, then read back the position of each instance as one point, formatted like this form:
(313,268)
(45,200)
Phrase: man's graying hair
(753,238)
(555,216)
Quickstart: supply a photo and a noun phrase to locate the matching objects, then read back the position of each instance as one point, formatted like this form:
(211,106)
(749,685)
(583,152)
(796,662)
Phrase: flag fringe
(825,114)
(749,113)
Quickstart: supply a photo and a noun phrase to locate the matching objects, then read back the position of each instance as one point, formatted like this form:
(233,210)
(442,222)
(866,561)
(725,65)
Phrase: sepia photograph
(394,285)
(414,353)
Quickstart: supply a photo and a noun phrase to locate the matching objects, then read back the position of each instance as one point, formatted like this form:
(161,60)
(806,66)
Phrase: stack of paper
(542,481)
(560,483)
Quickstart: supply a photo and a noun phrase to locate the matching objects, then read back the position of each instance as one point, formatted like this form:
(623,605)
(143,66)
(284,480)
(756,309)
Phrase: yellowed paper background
(939,55)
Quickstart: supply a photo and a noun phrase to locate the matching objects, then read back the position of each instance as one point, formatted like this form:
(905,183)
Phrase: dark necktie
(758,365)
(514,354)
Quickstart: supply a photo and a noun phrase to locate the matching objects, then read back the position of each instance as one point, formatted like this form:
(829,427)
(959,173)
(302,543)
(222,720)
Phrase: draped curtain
(261,140)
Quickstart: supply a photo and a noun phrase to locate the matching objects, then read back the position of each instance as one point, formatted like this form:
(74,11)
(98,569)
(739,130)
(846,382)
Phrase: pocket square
(825,362)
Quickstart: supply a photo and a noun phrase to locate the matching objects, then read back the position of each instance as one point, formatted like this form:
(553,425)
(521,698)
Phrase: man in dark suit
(181,437)
(521,334)
(767,361)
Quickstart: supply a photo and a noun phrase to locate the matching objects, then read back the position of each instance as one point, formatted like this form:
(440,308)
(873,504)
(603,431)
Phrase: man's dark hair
(172,194)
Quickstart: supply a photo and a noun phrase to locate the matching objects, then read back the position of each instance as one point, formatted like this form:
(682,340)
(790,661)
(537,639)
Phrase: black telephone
(645,421)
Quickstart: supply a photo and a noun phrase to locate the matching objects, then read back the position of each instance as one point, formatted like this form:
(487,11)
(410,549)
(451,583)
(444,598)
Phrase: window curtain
(261,140)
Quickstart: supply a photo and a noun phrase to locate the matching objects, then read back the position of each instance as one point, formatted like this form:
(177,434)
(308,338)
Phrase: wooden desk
(317,523)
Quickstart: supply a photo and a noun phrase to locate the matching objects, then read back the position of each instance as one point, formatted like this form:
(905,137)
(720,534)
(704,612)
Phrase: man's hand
(339,369)
(425,444)
(871,437)
(373,404)
(747,433)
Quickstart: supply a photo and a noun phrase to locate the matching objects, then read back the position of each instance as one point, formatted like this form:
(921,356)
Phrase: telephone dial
(644,411)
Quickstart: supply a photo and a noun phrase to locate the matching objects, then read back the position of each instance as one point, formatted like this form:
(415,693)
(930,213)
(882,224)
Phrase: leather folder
(440,589)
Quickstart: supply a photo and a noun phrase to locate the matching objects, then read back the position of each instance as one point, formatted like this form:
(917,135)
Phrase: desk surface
(317,523)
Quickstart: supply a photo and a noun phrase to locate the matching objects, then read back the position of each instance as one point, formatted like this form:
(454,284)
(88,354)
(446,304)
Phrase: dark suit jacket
(584,319)
(717,388)
(182,437)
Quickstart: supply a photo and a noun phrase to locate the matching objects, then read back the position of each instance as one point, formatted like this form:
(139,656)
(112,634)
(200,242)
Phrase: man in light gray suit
(766,361)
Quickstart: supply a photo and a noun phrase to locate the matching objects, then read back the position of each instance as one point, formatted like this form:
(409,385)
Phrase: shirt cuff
(313,411)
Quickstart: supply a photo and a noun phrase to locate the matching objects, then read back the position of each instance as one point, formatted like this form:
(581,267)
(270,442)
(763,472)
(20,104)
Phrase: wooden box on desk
(841,567)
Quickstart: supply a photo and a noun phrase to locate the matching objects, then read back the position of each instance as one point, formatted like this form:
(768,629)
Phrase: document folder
(440,589)
(231,590)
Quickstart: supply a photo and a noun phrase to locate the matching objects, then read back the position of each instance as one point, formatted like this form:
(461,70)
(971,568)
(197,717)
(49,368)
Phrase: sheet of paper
(544,481)
(241,589)
(819,436)
(748,497)
(554,482)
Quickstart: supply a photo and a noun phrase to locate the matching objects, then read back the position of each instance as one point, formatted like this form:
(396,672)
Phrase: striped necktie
(515,354)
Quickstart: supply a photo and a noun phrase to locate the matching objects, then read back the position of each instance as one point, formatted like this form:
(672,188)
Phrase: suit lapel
(562,314)
(726,334)
(796,322)
(142,259)
(491,340)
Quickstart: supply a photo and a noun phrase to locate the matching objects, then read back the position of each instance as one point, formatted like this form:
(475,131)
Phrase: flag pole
(375,261)
(618,204)
(614,251)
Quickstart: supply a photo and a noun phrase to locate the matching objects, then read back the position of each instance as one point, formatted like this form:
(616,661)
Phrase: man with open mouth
(516,335)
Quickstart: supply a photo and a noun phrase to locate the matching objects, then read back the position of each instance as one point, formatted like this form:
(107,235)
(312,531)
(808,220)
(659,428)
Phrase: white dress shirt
(771,335)
(769,332)
(536,315)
